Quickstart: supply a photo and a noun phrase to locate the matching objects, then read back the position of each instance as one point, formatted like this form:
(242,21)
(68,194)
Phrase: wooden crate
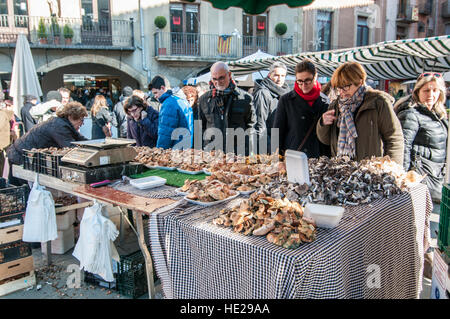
(16,267)
(18,284)
(9,234)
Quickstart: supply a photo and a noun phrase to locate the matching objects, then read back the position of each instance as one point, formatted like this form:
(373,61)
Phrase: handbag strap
(308,134)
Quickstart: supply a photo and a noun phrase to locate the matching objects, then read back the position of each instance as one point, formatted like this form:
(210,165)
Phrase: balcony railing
(214,46)
(87,32)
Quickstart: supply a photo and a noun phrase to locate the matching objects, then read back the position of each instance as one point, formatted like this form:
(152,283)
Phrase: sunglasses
(436,75)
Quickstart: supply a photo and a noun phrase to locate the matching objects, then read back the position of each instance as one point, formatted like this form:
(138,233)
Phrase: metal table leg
(47,248)
(139,231)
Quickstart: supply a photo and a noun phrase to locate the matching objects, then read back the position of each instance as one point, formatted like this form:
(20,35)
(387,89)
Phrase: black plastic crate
(31,160)
(444,221)
(14,250)
(5,218)
(132,275)
(96,280)
(13,199)
(49,164)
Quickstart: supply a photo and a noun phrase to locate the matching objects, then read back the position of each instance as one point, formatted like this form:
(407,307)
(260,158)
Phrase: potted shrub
(281,28)
(42,32)
(160,23)
(68,34)
(56,30)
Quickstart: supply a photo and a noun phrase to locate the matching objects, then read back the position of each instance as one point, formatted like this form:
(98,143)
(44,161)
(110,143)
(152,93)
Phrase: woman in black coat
(101,118)
(425,126)
(57,131)
(298,112)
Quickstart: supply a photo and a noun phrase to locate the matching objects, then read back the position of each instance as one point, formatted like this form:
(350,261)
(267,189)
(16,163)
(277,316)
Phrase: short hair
(29,98)
(158,81)
(277,65)
(74,109)
(348,73)
(133,100)
(53,95)
(306,66)
(127,91)
(221,65)
(63,89)
(439,106)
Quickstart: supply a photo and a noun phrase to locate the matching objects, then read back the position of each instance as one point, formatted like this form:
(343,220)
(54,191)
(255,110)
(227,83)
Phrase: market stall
(376,251)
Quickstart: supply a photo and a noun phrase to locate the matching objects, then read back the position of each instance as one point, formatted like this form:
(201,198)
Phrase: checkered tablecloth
(376,251)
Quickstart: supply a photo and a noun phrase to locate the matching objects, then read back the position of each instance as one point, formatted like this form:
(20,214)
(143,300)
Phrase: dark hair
(158,81)
(133,100)
(306,66)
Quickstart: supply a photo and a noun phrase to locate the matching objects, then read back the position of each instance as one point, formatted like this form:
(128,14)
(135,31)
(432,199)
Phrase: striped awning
(399,59)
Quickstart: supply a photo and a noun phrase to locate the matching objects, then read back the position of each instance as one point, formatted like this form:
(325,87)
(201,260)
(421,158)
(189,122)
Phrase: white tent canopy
(400,59)
(24,80)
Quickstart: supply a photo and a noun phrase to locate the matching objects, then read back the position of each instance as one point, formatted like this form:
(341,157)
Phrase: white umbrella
(24,80)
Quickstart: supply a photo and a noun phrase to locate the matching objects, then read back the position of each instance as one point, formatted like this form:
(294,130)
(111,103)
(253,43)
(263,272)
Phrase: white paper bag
(40,217)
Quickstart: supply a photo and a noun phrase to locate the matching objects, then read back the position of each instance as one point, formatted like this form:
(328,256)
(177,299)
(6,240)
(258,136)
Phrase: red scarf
(312,95)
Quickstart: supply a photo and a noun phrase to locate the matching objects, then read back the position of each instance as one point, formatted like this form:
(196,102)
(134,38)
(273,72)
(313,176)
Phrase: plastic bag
(40,217)
(95,248)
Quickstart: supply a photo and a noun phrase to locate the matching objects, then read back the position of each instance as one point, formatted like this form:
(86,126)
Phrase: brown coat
(379,130)
(5,127)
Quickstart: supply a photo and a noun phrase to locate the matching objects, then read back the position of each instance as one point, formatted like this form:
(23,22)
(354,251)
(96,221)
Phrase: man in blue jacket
(175,113)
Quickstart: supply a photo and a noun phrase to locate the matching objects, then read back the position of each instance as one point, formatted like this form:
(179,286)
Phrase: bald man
(225,106)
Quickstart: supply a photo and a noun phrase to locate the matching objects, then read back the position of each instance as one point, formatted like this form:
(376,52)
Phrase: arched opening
(89,77)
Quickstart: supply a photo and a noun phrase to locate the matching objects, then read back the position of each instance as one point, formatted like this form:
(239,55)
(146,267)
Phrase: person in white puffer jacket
(46,110)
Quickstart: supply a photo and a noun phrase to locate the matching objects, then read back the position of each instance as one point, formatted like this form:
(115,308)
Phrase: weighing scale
(98,160)
(101,152)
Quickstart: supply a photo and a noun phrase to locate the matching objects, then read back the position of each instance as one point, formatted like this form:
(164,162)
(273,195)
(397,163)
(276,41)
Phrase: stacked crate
(16,261)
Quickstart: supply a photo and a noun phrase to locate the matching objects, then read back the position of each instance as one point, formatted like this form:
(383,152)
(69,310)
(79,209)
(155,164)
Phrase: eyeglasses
(134,111)
(436,75)
(306,82)
(344,88)
(220,78)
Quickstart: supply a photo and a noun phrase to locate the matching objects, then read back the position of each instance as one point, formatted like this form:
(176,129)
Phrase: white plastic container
(325,216)
(297,167)
(65,220)
(64,241)
(148,182)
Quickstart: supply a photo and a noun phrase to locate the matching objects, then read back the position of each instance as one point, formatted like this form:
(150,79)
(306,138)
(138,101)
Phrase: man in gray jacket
(266,95)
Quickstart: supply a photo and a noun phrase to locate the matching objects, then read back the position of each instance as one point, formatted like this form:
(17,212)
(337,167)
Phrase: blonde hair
(348,73)
(139,93)
(73,109)
(99,103)
(439,106)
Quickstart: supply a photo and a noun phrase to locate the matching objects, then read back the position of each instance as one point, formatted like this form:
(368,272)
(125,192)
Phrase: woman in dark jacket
(425,126)
(298,112)
(57,131)
(101,118)
(142,122)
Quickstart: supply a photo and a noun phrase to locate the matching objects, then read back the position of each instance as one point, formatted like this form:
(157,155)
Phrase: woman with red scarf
(298,112)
